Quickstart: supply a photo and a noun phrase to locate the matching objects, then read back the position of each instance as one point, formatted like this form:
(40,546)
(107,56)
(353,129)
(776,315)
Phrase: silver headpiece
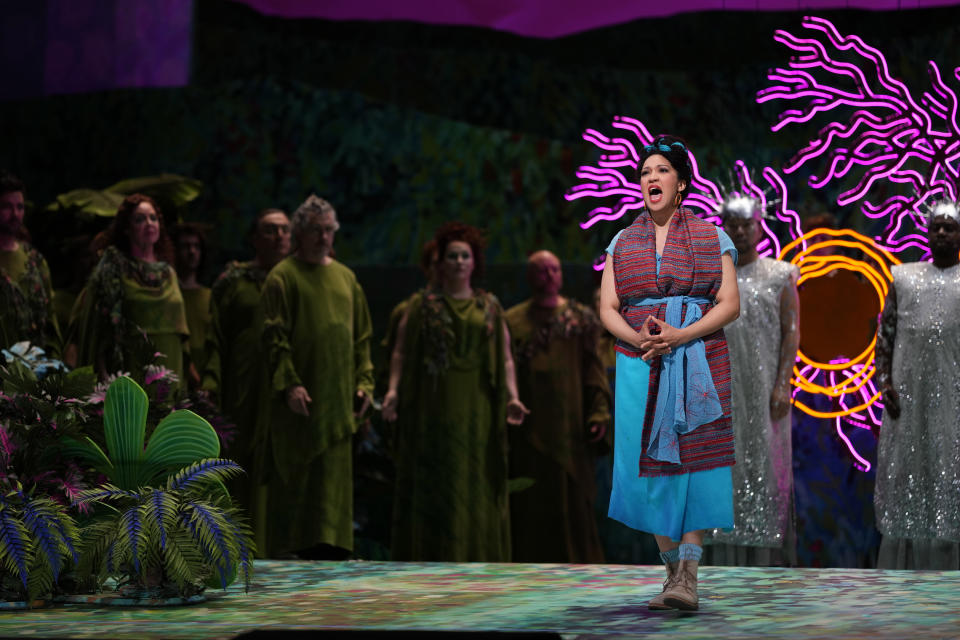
(740,206)
(945,208)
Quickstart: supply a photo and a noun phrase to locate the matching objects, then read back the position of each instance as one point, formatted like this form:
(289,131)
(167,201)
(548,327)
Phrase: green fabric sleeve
(362,334)
(276,335)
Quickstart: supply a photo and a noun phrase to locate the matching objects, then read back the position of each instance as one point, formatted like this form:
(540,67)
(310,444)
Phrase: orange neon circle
(877,271)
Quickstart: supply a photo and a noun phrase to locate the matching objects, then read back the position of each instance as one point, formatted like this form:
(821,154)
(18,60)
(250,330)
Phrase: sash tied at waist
(686,395)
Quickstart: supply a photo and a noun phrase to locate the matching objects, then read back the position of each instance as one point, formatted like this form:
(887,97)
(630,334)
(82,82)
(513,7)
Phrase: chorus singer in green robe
(234,373)
(26,294)
(452,393)
(560,375)
(316,337)
(132,307)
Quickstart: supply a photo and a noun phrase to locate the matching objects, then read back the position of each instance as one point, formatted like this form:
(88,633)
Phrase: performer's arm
(515,409)
(789,343)
(396,370)
(276,337)
(886,335)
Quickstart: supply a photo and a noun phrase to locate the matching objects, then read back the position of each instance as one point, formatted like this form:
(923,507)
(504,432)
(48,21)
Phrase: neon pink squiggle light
(889,136)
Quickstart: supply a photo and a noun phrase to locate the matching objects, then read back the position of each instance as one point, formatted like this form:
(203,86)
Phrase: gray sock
(670,557)
(691,552)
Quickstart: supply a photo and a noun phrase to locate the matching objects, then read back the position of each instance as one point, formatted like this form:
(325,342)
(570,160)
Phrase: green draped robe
(196,302)
(26,300)
(235,373)
(317,333)
(451,455)
(561,379)
(130,310)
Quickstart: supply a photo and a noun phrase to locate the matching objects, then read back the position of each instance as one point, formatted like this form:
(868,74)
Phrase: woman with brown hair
(132,308)
(452,392)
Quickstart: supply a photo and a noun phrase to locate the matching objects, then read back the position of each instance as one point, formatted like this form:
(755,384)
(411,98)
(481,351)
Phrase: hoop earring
(677,199)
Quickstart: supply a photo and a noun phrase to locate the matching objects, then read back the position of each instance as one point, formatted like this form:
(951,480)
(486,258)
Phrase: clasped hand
(664,341)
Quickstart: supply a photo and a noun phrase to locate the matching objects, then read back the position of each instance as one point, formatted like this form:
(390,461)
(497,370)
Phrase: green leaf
(90,201)
(79,383)
(124,424)
(18,378)
(515,485)
(180,439)
(175,189)
(88,452)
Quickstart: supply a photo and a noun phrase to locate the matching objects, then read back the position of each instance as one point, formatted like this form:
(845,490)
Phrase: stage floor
(576,601)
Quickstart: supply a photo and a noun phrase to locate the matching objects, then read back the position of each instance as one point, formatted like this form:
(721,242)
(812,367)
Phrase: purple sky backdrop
(70,46)
(550,18)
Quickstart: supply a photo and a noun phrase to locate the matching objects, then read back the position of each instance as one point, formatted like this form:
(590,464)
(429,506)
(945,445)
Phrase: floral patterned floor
(577,601)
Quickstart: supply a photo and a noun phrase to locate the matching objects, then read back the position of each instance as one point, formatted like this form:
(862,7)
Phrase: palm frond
(132,531)
(102,493)
(161,507)
(41,518)
(202,472)
(97,538)
(183,559)
(208,526)
(14,544)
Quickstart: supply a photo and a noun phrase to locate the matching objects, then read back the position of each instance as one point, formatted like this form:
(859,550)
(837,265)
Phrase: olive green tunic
(236,374)
(26,300)
(129,311)
(197,304)
(561,380)
(451,456)
(317,334)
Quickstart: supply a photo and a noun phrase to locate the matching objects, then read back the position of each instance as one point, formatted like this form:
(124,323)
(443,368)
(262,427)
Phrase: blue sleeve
(613,243)
(726,245)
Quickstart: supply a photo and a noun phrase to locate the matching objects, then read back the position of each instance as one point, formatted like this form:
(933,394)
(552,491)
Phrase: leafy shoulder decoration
(436,326)
(106,287)
(235,272)
(28,298)
(574,320)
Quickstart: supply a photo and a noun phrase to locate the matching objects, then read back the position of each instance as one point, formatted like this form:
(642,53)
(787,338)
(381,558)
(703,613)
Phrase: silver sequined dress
(918,458)
(763,475)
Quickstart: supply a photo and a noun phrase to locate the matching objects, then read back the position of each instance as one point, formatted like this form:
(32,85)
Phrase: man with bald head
(562,381)
(763,344)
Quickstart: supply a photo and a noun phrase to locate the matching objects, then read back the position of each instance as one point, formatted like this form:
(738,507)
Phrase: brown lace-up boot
(657,603)
(683,593)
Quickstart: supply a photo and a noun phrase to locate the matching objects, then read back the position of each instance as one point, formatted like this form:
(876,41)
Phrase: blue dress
(663,505)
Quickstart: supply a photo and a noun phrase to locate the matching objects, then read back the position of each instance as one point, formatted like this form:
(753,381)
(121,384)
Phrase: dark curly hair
(674,149)
(197,229)
(462,232)
(10,183)
(117,234)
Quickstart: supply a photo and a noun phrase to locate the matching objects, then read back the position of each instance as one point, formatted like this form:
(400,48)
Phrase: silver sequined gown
(763,475)
(918,458)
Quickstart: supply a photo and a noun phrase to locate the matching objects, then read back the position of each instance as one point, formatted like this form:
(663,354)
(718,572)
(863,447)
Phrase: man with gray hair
(763,344)
(316,336)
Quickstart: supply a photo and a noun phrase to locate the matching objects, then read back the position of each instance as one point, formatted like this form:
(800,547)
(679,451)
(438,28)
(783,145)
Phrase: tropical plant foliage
(40,406)
(181,438)
(170,538)
(38,540)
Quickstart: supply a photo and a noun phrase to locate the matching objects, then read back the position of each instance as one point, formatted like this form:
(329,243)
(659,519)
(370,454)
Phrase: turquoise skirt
(663,505)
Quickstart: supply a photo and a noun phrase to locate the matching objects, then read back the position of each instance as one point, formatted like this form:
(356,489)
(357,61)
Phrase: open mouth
(655,195)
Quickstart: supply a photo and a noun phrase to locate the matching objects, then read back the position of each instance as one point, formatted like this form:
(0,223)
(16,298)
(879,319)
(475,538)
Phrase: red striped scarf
(690,266)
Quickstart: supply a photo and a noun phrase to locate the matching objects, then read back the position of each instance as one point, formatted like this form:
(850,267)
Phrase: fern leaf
(14,544)
(40,520)
(132,531)
(208,526)
(203,471)
(101,494)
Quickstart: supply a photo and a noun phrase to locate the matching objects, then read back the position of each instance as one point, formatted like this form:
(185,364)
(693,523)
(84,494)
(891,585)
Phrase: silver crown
(944,208)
